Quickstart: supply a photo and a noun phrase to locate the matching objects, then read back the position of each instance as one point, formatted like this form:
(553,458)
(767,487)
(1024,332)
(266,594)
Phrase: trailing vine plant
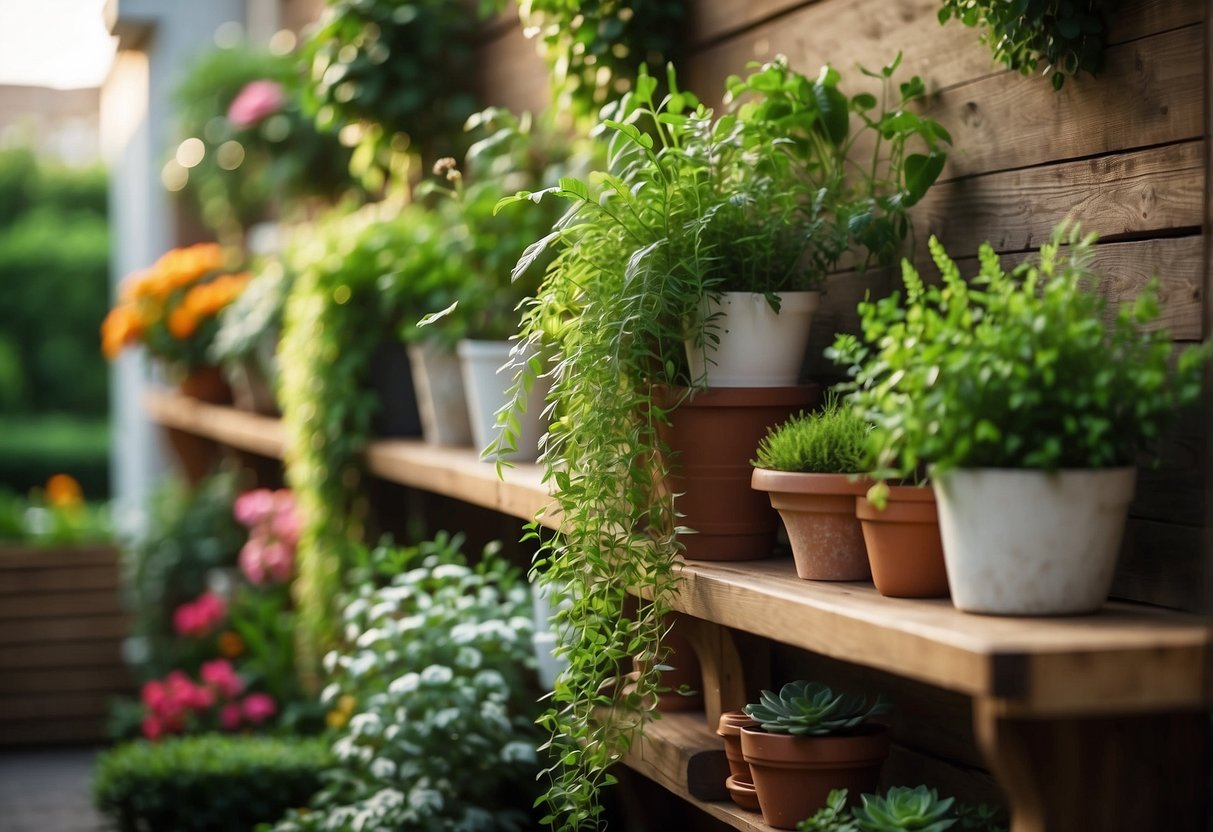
(1067,36)
(595,50)
(766,199)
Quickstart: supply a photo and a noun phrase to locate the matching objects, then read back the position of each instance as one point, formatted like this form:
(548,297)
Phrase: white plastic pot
(488,376)
(1019,542)
(440,398)
(758,347)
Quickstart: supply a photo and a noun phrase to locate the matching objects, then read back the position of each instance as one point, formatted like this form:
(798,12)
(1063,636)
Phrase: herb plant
(1067,36)
(1015,370)
(832,440)
(760,199)
(812,709)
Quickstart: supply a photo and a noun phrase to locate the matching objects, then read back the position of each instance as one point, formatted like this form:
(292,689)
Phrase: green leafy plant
(261,156)
(208,782)
(812,709)
(441,734)
(53,516)
(394,76)
(832,440)
(595,50)
(1015,370)
(902,808)
(1067,36)
(760,199)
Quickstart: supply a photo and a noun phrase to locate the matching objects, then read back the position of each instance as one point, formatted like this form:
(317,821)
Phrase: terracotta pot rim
(804,482)
(897,511)
(735,783)
(799,395)
(867,743)
(731,723)
(910,493)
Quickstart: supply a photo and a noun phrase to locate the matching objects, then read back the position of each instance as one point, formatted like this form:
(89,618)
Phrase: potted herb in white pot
(811,466)
(1030,413)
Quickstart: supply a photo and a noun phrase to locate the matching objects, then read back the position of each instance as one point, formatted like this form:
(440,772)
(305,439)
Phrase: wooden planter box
(61,631)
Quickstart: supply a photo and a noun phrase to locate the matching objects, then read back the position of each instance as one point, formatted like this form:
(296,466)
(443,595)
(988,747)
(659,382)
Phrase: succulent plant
(812,709)
(903,808)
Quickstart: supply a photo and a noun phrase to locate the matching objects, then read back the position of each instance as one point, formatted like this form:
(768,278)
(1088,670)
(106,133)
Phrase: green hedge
(32,448)
(207,783)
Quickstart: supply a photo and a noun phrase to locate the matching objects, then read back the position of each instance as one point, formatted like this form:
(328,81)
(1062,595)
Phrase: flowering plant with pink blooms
(178,704)
(200,617)
(272,519)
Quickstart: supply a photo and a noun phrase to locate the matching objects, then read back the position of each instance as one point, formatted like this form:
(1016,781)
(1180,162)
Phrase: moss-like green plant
(812,709)
(208,782)
(832,440)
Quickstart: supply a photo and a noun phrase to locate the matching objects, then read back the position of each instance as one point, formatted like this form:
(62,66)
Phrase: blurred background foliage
(54,261)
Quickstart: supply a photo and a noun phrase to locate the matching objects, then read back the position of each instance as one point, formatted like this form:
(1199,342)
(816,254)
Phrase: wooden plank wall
(61,631)
(1125,153)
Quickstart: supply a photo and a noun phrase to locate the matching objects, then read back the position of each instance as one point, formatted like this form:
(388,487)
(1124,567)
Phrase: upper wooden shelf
(1128,658)
(453,472)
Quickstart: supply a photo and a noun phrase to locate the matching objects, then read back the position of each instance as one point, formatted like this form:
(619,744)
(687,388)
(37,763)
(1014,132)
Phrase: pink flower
(153,695)
(278,559)
(152,728)
(251,562)
(258,707)
(220,675)
(201,616)
(229,716)
(257,100)
(252,508)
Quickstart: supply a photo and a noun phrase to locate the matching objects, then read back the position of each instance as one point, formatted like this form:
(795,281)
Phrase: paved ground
(47,790)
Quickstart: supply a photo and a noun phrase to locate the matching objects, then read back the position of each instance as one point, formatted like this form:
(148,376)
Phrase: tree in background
(54,251)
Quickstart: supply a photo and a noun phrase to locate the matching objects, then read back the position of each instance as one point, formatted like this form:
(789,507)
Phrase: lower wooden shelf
(681,753)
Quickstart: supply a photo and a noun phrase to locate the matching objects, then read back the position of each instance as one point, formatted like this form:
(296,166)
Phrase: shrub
(206,783)
(830,441)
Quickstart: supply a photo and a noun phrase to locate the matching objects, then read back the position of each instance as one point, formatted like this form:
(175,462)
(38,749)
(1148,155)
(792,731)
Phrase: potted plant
(1029,412)
(172,309)
(810,741)
(811,466)
(246,343)
(684,201)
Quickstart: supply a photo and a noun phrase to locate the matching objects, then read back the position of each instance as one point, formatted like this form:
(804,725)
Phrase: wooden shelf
(1126,659)
(452,472)
(680,752)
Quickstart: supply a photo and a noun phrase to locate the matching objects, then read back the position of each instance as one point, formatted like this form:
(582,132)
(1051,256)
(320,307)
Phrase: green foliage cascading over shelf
(1067,36)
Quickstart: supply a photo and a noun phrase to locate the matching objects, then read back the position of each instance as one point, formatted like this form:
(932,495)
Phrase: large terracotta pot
(818,510)
(1020,542)
(714,434)
(206,384)
(904,547)
(795,775)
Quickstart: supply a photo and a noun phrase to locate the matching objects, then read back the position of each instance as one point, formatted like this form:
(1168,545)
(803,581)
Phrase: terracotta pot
(731,723)
(818,510)
(684,673)
(794,775)
(206,384)
(743,793)
(714,435)
(904,547)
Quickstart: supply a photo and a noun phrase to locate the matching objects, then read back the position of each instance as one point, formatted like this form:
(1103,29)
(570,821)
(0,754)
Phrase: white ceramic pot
(1020,542)
(548,665)
(441,402)
(758,347)
(488,376)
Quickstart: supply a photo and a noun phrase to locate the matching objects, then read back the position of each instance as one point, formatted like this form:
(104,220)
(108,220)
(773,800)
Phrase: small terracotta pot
(818,510)
(904,546)
(794,775)
(731,723)
(714,434)
(743,793)
(206,384)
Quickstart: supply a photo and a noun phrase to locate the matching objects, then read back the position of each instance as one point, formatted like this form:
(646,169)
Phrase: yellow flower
(341,714)
(62,491)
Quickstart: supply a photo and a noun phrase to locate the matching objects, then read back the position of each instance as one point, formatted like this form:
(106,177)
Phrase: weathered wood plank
(64,679)
(63,628)
(20,581)
(99,653)
(1150,94)
(42,605)
(53,731)
(1164,564)
(20,707)
(32,557)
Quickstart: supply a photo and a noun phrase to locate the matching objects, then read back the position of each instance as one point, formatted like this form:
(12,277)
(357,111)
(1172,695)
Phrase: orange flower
(182,323)
(62,491)
(121,327)
(230,644)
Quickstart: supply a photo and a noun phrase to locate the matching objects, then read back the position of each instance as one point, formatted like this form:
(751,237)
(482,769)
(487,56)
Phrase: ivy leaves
(1067,36)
